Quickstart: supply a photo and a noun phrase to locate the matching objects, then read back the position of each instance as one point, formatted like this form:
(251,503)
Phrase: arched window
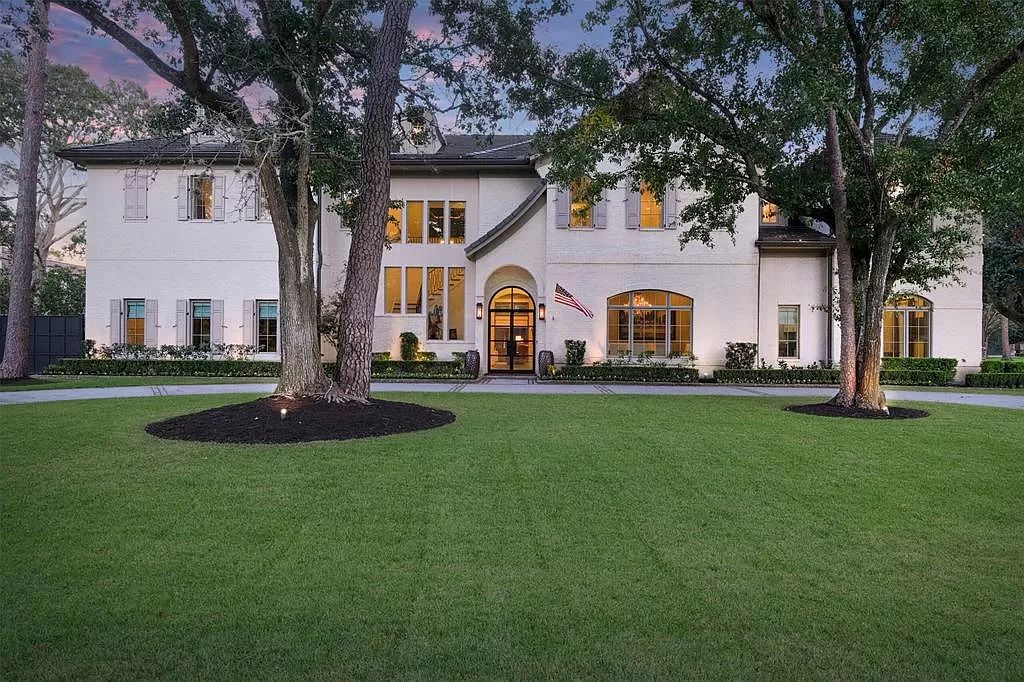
(907,328)
(650,321)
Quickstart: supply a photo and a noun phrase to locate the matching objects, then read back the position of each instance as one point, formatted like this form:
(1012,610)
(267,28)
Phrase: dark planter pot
(545,360)
(473,363)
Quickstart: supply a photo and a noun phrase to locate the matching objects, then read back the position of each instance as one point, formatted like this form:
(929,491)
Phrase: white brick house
(180,252)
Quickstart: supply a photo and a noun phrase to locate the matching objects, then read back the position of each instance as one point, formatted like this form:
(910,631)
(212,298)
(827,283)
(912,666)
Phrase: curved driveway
(502,385)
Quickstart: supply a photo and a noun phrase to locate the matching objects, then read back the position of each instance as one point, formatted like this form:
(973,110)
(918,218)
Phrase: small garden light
(284,413)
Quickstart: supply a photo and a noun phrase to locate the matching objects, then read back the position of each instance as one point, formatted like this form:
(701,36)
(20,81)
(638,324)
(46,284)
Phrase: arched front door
(510,331)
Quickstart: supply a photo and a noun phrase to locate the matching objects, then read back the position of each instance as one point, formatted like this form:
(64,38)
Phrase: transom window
(907,328)
(200,324)
(266,326)
(650,208)
(135,322)
(769,213)
(581,210)
(200,192)
(650,322)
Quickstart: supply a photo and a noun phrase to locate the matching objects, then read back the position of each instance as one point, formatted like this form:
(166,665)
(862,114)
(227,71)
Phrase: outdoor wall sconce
(542,311)
(479,311)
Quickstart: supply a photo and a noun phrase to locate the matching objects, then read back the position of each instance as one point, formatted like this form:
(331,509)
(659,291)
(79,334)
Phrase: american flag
(565,298)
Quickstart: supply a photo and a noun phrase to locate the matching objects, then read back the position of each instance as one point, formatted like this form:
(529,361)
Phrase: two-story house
(180,251)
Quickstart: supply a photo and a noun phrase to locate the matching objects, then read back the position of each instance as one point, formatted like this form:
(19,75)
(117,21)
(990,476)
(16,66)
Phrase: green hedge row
(921,365)
(829,376)
(996,379)
(636,373)
(1002,366)
(382,369)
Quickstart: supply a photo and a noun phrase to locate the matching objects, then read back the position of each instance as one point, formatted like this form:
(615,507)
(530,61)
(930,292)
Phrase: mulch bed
(260,421)
(830,410)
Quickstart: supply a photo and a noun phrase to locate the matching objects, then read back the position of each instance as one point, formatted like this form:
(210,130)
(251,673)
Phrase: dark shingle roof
(794,236)
(457,150)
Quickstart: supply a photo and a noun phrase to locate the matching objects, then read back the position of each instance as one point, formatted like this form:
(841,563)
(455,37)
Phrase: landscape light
(284,413)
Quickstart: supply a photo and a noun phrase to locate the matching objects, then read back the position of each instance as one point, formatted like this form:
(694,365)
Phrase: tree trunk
(1004,337)
(15,360)
(869,352)
(359,297)
(844,262)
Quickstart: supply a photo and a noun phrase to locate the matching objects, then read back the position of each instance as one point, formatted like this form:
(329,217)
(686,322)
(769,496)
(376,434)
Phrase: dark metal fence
(51,338)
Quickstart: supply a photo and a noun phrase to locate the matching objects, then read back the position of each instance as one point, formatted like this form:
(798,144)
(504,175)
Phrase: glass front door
(511,327)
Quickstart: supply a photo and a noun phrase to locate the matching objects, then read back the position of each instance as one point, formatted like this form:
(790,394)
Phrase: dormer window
(769,213)
(581,209)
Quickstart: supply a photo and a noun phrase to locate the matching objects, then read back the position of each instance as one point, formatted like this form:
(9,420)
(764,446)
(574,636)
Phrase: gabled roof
(508,225)
(458,150)
(794,237)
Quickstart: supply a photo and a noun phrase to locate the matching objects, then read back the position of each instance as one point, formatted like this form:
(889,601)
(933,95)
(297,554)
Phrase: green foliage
(575,351)
(61,292)
(1002,366)
(383,369)
(996,380)
(921,364)
(383,355)
(409,346)
(740,355)
(642,374)
(1004,265)
(922,377)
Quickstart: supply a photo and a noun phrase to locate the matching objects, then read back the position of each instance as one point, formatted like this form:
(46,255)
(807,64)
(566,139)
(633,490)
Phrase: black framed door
(511,326)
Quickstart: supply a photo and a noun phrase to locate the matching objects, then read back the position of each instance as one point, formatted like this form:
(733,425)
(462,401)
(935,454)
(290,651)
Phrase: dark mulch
(830,410)
(260,421)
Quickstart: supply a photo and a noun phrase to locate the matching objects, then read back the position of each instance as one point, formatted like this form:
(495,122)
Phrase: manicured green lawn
(537,536)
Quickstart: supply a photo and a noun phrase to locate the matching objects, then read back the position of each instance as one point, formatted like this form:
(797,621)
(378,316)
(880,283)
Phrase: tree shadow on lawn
(285,420)
(830,410)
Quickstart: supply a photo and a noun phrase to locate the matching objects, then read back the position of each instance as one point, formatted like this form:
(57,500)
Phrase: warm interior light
(479,311)
(541,311)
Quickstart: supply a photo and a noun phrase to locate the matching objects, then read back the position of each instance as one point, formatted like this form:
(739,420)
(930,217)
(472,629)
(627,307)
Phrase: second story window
(435,219)
(394,228)
(650,209)
(769,213)
(456,222)
(201,197)
(581,210)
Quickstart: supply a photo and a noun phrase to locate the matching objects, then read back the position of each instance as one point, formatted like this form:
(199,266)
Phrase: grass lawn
(85,381)
(537,536)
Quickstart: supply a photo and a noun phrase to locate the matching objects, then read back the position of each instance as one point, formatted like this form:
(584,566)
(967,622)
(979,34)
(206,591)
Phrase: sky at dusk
(104,59)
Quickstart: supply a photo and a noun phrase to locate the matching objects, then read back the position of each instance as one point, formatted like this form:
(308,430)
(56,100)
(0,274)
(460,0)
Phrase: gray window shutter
(218,197)
(181,322)
(129,194)
(252,198)
(601,211)
(216,322)
(182,198)
(152,323)
(632,209)
(248,313)
(562,209)
(142,195)
(670,207)
(115,320)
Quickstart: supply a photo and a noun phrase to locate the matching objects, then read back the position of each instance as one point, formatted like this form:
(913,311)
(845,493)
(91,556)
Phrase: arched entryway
(511,326)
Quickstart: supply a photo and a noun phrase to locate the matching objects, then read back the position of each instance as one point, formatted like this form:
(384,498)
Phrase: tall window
(907,327)
(435,221)
(201,197)
(581,210)
(435,304)
(456,304)
(769,213)
(456,222)
(394,231)
(789,331)
(413,290)
(393,290)
(414,222)
(650,208)
(266,326)
(135,322)
(651,322)
(201,324)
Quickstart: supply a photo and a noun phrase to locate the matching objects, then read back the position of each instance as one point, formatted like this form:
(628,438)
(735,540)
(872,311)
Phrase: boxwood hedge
(829,376)
(1002,366)
(634,373)
(996,379)
(381,369)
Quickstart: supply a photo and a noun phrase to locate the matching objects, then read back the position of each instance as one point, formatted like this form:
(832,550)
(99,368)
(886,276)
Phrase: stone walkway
(511,385)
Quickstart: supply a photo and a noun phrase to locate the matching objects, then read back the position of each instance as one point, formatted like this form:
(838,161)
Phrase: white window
(201,197)
(789,331)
